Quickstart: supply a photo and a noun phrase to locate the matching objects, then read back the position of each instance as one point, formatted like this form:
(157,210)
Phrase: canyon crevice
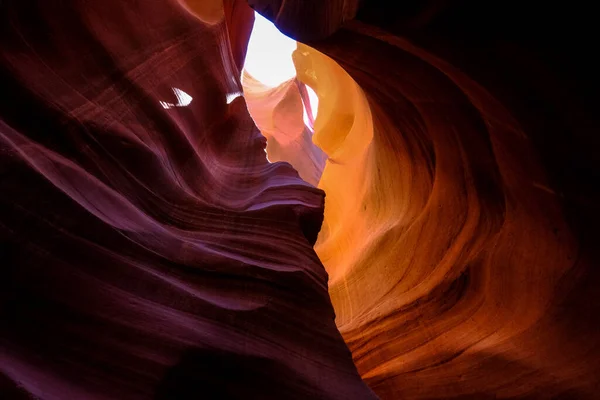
(429,233)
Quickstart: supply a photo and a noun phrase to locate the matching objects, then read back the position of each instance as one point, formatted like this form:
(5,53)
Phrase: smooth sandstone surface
(149,250)
(432,234)
(458,231)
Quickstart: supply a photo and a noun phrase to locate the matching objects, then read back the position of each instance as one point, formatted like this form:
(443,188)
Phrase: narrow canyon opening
(149,249)
(317,118)
(276,100)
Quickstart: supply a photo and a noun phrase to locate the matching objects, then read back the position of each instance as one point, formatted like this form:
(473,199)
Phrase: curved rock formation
(149,250)
(445,195)
(459,247)
(457,267)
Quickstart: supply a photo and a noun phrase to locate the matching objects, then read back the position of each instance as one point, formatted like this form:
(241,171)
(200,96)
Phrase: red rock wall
(148,249)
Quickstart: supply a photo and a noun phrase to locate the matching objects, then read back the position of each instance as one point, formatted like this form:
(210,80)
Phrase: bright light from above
(314,101)
(232,96)
(269,56)
(183,99)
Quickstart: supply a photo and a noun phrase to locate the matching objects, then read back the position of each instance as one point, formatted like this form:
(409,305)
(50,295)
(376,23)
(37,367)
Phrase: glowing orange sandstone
(441,249)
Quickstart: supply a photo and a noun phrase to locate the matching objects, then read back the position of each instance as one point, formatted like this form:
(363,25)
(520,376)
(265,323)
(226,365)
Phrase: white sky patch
(306,119)
(269,56)
(232,96)
(183,99)
(314,101)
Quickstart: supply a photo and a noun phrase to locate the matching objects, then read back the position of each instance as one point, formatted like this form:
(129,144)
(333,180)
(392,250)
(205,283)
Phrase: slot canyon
(299,199)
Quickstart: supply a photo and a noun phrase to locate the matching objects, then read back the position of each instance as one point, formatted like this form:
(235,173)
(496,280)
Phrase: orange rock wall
(455,266)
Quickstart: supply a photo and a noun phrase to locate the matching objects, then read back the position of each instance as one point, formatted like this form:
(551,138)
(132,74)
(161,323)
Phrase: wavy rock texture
(148,248)
(459,223)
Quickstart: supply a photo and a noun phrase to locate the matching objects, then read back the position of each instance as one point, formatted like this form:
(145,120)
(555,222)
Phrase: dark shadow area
(213,374)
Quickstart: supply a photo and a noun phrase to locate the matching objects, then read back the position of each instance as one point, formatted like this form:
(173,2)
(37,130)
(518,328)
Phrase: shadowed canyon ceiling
(403,204)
